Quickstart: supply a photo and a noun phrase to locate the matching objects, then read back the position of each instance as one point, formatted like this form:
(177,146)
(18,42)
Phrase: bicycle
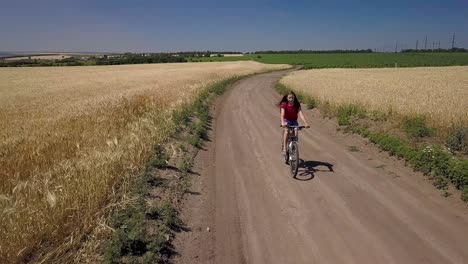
(291,156)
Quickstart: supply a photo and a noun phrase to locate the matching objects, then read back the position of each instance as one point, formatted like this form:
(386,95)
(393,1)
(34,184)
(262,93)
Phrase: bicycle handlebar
(298,127)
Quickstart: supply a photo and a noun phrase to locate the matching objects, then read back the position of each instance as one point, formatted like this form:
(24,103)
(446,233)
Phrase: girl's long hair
(285,100)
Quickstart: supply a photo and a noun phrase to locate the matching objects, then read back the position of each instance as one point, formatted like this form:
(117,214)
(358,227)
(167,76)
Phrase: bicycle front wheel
(294,158)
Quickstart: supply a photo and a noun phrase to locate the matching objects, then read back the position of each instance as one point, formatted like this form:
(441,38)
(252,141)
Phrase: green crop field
(354,60)
(213,59)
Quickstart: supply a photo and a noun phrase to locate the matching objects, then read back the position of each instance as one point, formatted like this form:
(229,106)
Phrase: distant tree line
(204,53)
(312,51)
(127,58)
(434,50)
(41,63)
(133,58)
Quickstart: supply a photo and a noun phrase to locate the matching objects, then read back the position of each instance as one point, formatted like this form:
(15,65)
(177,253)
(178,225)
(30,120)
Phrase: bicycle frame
(292,149)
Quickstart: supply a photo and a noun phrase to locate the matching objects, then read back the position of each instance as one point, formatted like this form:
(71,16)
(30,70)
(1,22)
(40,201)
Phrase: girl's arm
(303,118)
(282,117)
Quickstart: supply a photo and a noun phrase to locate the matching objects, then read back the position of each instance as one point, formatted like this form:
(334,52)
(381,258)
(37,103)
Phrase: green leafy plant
(464,195)
(160,157)
(416,126)
(311,103)
(457,139)
(346,112)
(441,183)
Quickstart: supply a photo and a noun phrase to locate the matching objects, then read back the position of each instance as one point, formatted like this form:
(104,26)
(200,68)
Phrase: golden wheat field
(71,136)
(439,93)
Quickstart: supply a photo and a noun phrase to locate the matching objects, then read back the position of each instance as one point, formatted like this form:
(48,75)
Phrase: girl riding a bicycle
(290,110)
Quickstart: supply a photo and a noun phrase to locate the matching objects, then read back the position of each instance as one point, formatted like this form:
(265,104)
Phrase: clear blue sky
(163,26)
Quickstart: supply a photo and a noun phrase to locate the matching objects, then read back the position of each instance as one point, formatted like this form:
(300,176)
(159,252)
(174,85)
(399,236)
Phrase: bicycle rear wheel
(294,158)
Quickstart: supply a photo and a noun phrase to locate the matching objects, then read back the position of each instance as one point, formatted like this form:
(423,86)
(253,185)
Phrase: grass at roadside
(144,229)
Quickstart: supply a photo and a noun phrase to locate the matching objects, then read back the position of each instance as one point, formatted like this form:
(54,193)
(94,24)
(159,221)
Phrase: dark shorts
(291,123)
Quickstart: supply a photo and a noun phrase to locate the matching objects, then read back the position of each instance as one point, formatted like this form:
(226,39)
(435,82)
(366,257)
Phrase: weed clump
(441,183)
(160,157)
(311,103)
(132,238)
(457,139)
(345,114)
(464,195)
(416,127)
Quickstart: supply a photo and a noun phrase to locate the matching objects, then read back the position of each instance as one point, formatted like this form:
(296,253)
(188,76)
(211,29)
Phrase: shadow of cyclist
(308,168)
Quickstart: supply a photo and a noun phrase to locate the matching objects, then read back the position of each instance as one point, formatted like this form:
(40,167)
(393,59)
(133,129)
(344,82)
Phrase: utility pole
(396,47)
(417,42)
(425,43)
(439,45)
(453,41)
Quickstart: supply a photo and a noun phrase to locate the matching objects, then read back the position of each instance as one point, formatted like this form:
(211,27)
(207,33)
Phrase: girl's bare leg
(285,138)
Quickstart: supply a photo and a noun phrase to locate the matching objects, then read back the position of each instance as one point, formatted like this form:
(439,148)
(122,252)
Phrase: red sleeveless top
(290,111)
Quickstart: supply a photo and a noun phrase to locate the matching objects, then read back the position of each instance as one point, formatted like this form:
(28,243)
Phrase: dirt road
(349,204)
